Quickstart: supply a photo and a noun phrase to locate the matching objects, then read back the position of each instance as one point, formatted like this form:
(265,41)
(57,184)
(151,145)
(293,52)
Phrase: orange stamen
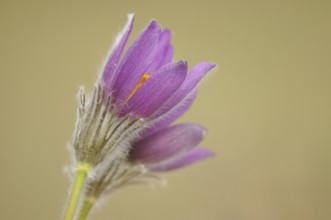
(142,80)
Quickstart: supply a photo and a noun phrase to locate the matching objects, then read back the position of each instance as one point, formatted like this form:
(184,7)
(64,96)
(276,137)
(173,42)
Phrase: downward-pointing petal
(167,143)
(192,156)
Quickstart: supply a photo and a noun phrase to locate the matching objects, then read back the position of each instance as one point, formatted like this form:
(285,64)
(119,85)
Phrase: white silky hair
(100,134)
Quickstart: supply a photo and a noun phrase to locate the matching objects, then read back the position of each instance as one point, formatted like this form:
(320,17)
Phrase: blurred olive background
(267,106)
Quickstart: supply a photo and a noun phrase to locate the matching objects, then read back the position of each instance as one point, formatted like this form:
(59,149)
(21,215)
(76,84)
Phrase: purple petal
(157,90)
(165,51)
(167,143)
(117,50)
(192,156)
(168,55)
(135,62)
(191,81)
(172,115)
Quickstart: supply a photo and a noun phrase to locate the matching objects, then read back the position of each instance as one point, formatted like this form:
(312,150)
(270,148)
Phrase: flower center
(142,80)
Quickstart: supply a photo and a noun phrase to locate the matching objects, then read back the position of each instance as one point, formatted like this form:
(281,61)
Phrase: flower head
(124,129)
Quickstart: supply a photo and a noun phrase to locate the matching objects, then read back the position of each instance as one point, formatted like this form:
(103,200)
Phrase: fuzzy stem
(87,206)
(78,184)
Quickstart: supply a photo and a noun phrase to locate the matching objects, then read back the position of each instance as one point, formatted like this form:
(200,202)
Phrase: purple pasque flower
(123,132)
(146,82)
(137,89)
(124,129)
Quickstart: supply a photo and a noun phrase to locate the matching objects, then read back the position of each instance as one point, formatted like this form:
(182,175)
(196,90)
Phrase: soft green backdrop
(267,106)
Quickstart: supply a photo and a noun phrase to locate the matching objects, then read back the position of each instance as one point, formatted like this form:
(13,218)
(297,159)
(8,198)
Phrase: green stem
(80,178)
(87,206)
